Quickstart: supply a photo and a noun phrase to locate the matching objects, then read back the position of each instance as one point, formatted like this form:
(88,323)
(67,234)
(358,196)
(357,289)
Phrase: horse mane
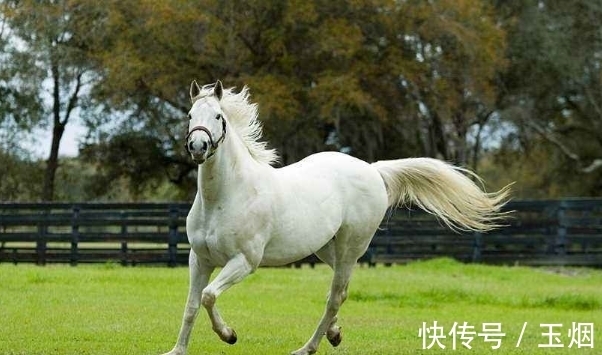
(243,118)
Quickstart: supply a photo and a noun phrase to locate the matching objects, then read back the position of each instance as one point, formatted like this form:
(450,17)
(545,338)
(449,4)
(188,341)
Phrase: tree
(134,160)
(456,52)
(553,88)
(19,178)
(19,109)
(355,67)
(50,54)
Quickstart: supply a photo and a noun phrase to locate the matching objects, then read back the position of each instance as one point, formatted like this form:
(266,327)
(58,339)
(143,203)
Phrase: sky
(69,147)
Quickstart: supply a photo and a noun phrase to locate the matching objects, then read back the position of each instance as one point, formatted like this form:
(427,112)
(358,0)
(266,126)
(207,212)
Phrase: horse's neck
(228,173)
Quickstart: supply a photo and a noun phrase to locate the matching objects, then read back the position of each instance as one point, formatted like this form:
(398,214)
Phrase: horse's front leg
(199,278)
(233,272)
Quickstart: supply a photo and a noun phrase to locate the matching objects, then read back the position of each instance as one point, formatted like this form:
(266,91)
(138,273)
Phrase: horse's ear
(195,90)
(218,90)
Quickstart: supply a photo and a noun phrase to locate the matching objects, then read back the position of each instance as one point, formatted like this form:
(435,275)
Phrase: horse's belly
(299,237)
(288,251)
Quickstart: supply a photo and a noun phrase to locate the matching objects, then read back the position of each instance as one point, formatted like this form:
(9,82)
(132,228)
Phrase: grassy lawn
(107,309)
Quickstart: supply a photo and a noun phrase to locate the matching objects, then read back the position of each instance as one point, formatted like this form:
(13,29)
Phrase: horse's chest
(216,244)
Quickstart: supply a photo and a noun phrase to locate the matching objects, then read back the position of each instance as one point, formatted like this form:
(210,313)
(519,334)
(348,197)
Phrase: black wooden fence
(551,232)
(128,233)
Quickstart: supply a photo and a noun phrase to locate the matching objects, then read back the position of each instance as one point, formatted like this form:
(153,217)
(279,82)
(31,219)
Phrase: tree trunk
(52,163)
(438,141)
(58,128)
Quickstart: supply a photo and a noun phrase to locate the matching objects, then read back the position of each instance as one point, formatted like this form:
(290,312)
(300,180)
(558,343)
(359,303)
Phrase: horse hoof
(232,338)
(334,336)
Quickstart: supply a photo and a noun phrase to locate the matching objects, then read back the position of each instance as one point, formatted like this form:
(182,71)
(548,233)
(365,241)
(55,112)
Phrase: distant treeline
(512,89)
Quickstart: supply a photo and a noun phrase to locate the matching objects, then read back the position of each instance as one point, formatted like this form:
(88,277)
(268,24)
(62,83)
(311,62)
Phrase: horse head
(207,125)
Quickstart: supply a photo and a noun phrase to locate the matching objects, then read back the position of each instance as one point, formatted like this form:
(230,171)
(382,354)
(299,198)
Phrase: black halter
(214,143)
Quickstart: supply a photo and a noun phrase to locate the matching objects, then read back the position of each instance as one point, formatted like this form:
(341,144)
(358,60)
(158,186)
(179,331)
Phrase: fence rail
(130,234)
(550,232)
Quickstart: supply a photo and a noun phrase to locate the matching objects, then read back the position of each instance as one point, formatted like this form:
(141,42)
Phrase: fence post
(124,235)
(75,236)
(172,241)
(41,241)
(389,243)
(476,247)
(560,247)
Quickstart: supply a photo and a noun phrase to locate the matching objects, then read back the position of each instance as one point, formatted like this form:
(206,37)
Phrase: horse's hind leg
(338,292)
(328,256)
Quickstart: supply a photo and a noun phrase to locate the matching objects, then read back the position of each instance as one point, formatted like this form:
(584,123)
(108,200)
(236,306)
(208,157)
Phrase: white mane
(243,118)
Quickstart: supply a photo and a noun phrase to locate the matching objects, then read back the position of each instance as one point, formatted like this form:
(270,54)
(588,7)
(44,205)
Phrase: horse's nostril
(204,145)
(190,146)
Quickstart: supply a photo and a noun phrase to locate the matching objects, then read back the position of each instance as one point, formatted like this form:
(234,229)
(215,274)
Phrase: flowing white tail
(443,190)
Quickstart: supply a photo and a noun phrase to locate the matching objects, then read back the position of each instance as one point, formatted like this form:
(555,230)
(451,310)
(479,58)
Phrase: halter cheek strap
(214,143)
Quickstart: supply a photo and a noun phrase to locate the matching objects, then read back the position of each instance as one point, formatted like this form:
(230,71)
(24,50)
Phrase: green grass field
(107,309)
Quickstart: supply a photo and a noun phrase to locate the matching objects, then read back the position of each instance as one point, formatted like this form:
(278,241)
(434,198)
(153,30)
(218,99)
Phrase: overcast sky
(69,144)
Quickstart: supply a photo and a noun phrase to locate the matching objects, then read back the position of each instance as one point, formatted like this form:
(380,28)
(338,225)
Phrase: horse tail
(444,191)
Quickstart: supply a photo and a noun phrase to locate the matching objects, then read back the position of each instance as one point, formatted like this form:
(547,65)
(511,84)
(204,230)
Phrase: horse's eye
(219,116)
(189,117)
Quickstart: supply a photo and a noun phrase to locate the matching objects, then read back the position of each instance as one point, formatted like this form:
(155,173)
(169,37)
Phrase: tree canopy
(491,85)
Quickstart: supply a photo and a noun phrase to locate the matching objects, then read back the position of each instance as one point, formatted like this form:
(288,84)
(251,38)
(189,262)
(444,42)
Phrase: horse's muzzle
(199,156)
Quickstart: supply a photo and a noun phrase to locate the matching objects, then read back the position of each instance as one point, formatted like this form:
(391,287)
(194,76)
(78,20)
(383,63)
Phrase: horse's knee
(207,299)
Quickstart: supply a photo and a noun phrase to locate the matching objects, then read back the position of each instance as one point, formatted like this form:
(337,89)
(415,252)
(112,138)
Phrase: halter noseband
(214,143)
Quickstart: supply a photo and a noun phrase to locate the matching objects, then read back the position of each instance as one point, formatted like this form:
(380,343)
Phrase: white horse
(248,214)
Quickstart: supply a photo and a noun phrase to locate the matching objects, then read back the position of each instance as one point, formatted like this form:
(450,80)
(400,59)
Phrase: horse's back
(358,187)
(334,165)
